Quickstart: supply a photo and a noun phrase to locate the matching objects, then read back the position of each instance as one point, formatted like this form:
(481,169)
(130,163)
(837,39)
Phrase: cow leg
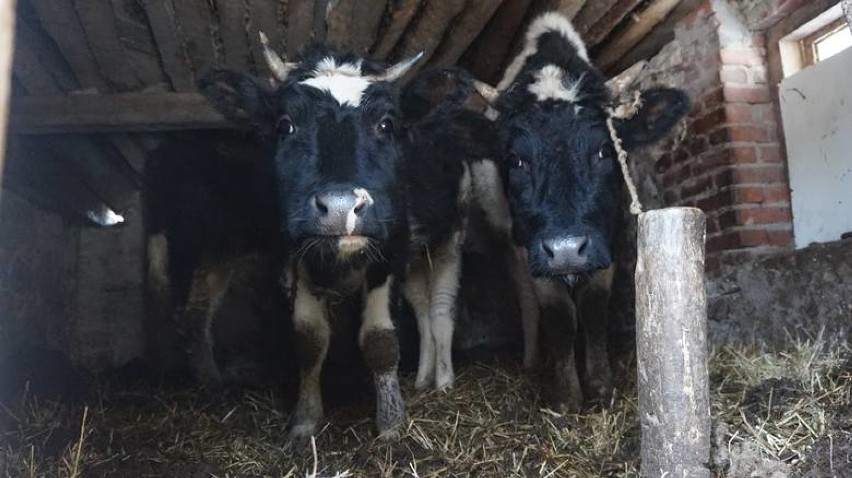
(416,290)
(312,335)
(559,323)
(593,302)
(380,348)
(206,294)
(442,304)
(528,304)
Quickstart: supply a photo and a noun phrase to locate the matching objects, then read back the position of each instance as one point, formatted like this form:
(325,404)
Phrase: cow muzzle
(566,254)
(340,212)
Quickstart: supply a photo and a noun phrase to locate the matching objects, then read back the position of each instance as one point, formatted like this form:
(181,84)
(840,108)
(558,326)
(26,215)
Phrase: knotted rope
(625,111)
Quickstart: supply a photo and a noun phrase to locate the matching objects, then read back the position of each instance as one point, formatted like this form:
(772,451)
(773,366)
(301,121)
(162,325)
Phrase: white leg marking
(377,310)
(158,260)
(442,304)
(416,290)
(488,192)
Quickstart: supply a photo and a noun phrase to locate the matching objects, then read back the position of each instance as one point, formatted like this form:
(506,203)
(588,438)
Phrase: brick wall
(730,161)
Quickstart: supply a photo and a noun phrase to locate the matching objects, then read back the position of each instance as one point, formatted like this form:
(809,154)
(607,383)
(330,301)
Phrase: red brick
(780,238)
(699,145)
(714,202)
(709,121)
(771,154)
(724,241)
(720,136)
(671,197)
(741,94)
(740,113)
(743,154)
(709,162)
(724,179)
(764,215)
(712,225)
(713,99)
(743,134)
(757,237)
(745,57)
(735,75)
(675,176)
(759,175)
(696,186)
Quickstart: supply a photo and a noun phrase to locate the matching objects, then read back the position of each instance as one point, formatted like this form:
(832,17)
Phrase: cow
(561,179)
(366,210)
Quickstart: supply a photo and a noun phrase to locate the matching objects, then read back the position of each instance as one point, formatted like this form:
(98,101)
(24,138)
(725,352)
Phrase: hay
(494,423)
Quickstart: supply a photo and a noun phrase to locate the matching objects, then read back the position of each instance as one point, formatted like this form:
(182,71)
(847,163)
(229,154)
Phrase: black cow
(563,187)
(357,193)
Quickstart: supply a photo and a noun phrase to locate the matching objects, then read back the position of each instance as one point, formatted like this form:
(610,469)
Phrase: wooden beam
(467,27)
(353,23)
(401,16)
(112,113)
(569,8)
(659,37)
(491,48)
(232,28)
(161,18)
(139,43)
(644,22)
(671,344)
(98,20)
(60,21)
(601,29)
(591,13)
(195,31)
(7,50)
(300,15)
(428,30)
(36,67)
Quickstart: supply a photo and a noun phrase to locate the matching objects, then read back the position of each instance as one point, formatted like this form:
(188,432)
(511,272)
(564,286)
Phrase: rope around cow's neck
(625,111)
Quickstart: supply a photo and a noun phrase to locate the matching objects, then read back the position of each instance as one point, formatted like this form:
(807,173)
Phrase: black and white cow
(563,185)
(358,191)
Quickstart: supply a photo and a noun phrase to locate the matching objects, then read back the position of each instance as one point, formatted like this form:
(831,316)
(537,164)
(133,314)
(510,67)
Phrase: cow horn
(397,71)
(488,92)
(280,69)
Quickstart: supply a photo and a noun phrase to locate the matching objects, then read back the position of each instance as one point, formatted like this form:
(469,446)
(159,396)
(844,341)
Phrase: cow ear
(661,109)
(435,93)
(241,98)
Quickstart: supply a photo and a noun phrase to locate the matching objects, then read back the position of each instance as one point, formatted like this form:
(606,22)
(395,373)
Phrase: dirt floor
(779,414)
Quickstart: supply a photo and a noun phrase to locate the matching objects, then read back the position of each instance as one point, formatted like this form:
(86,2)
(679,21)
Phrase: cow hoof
(390,436)
(444,382)
(569,407)
(600,393)
(300,436)
(422,383)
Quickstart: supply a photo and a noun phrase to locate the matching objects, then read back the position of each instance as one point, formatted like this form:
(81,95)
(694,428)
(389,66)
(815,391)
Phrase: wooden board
(353,23)
(263,16)
(489,51)
(98,20)
(643,24)
(59,19)
(591,13)
(400,17)
(467,27)
(605,25)
(161,17)
(426,33)
(119,112)
(195,23)
(299,18)
(232,29)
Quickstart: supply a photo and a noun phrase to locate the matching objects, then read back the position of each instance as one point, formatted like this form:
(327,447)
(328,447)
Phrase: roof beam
(601,29)
(112,113)
(469,25)
(645,21)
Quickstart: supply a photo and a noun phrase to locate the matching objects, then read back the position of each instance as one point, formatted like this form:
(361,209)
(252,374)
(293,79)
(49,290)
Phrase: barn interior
(98,85)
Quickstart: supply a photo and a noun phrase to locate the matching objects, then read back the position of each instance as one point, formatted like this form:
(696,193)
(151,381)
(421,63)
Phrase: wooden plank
(569,8)
(489,51)
(33,41)
(591,13)
(468,26)
(195,31)
(659,37)
(671,344)
(606,24)
(161,18)
(33,74)
(299,18)
(644,22)
(98,20)
(118,112)
(139,43)
(263,16)
(232,29)
(60,21)
(7,50)
(353,23)
(428,30)
(402,14)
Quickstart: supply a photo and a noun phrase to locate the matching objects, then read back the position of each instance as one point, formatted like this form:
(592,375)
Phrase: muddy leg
(206,294)
(558,317)
(312,338)
(528,303)
(380,347)
(593,301)
(442,303)
(416,290)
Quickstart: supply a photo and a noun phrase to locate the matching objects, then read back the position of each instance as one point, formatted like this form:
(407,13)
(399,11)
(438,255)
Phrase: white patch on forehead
(344,82)
(550,84)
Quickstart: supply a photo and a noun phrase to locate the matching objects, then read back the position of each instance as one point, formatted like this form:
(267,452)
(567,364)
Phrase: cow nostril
(320,205)
(582,242)
(360,207)
(548,249)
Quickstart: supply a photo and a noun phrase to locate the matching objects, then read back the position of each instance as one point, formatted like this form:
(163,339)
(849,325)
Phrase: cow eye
(286,126)
(606,151)
(385,126)
(516,162)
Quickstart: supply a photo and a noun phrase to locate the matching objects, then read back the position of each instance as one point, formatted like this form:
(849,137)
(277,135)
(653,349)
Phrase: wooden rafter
(98,21)
(354,23)
(601,29)
(232,16)
(139,44)
(119,112)
(161,17)
(469,25)
(644,22)
(489,51)
(426,33)
(400,17)
(591,13)
(195,21)
(569,8)
(263,16)
(299,17)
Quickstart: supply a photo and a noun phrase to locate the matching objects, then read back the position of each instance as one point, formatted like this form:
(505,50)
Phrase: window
(827,42)
(817,40)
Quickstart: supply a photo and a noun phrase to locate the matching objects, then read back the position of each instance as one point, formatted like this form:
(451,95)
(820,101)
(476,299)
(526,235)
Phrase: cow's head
(336,120)
(563,177)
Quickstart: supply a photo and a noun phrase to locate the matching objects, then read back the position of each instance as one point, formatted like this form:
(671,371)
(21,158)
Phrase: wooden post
(7,49)
(671,337)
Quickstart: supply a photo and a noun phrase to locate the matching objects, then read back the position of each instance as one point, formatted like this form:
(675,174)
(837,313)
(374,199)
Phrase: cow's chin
(343,247)
(573,280)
